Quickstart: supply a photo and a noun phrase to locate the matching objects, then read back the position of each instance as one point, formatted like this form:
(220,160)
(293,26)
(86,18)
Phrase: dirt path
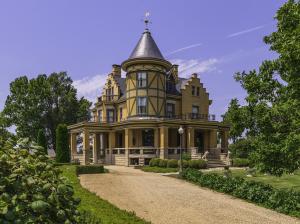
(168,200)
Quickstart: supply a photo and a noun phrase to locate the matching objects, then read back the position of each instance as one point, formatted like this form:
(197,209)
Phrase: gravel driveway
(165,200)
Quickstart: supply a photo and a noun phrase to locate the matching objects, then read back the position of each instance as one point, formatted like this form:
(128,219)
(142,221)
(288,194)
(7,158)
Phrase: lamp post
(180,131)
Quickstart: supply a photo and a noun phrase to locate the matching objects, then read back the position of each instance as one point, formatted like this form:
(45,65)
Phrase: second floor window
(193,90)
(109,94)
(110,116)
(100,115)
(141,79)
(121,114)
(195,111)
(142,105)
(170,109)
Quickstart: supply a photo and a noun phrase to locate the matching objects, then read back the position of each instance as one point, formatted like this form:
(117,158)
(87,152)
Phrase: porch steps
(214,163)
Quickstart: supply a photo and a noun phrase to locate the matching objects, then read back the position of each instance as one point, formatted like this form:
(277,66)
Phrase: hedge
(62,144)
(240,162)
(285,201)
(89,169)
(173,163)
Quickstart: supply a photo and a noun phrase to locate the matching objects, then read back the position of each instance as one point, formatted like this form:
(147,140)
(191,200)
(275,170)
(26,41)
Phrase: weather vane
(146,19)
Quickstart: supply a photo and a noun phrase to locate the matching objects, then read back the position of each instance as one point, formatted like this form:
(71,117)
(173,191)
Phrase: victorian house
(137,117)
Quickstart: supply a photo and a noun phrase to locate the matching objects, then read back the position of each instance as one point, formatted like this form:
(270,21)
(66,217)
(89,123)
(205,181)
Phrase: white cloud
(245,31)
(90,87)
(188,67)
(185,48)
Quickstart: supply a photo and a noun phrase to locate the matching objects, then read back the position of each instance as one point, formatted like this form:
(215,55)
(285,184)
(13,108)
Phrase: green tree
(42,140)
(235,117)
(62,144)
(273,97)
(43,103)
(4,133)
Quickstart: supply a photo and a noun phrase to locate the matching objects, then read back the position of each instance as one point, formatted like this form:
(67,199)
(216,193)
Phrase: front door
(199,141)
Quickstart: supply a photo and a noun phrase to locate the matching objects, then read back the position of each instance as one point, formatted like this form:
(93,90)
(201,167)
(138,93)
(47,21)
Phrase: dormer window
(141,79)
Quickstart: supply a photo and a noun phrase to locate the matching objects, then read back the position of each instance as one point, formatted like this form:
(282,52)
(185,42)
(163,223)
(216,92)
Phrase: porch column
(156,137)
(163,142)
(73,144)
(95,148)
(112,139)
(127,135)
(213,139)
(190,137)
(86,146)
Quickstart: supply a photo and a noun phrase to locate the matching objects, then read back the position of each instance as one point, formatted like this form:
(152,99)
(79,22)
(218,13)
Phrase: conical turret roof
(146,48)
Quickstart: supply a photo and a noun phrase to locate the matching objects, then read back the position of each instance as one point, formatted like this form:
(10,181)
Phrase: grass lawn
(286,181)
(102,209)
(155,169)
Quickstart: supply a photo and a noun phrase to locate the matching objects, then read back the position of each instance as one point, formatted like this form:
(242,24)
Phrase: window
(193,90)
(170,109)
(121,114)
(100,115)
(109,94)
(195,111)
(110,116)
(141,79)
(142,105)
(148,137)
(198,91)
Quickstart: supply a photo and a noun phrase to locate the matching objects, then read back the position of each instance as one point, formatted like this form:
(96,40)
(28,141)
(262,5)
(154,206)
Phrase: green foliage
(242,148)
(32,190)
(4,133)
(240,162)
(172,163)
(198,164)
(89,169)
(156,169)
(163,163)
(43,103)
(186,156)
(272,110)
(154,162)
(235,117)
(62,144)
(101,209)
(285,201)
(42,141)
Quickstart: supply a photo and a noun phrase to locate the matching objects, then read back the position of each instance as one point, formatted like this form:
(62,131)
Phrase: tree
(4,133)
(43,103)
(62,144)
(273,98)
(42,141)
(235,117)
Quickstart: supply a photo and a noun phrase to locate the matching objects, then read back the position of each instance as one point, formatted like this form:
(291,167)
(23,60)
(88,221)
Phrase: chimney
(116,70)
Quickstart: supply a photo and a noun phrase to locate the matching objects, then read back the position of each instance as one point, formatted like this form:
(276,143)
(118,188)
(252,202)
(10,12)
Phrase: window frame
(193,90)
(198,91)
(173,110)
(143,81)
(139,106)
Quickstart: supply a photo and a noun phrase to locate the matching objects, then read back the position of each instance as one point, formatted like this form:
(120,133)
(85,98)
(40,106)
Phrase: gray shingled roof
(146,48)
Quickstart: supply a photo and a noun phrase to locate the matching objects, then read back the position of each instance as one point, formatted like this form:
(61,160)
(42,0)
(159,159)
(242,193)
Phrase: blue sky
(215,38)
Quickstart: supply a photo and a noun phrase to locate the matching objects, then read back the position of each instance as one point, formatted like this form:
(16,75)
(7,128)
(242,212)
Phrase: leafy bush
(62,144)
(172,163)
(42,141)
(240,162)
(163,163)
(198,164)
(89,169)
(31,188)
(154,162)
(186,156)
(285,201)
(242,148)
(185,163)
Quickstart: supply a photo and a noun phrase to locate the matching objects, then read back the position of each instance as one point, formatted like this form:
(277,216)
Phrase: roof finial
(147,20)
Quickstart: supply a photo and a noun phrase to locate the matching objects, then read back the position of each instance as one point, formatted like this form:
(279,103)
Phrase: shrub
(31,189)
(172,163)
(163,163)
(285,201)
(186,156)
(242,148)
(89,169)
(185,163)
(240,162)
(62,145)
(154,162)
(198,164)
(42,141)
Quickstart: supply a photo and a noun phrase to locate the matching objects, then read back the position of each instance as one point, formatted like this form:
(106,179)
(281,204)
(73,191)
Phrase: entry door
(199,141)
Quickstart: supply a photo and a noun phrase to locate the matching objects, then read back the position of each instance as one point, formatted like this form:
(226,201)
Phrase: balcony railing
(108,98)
